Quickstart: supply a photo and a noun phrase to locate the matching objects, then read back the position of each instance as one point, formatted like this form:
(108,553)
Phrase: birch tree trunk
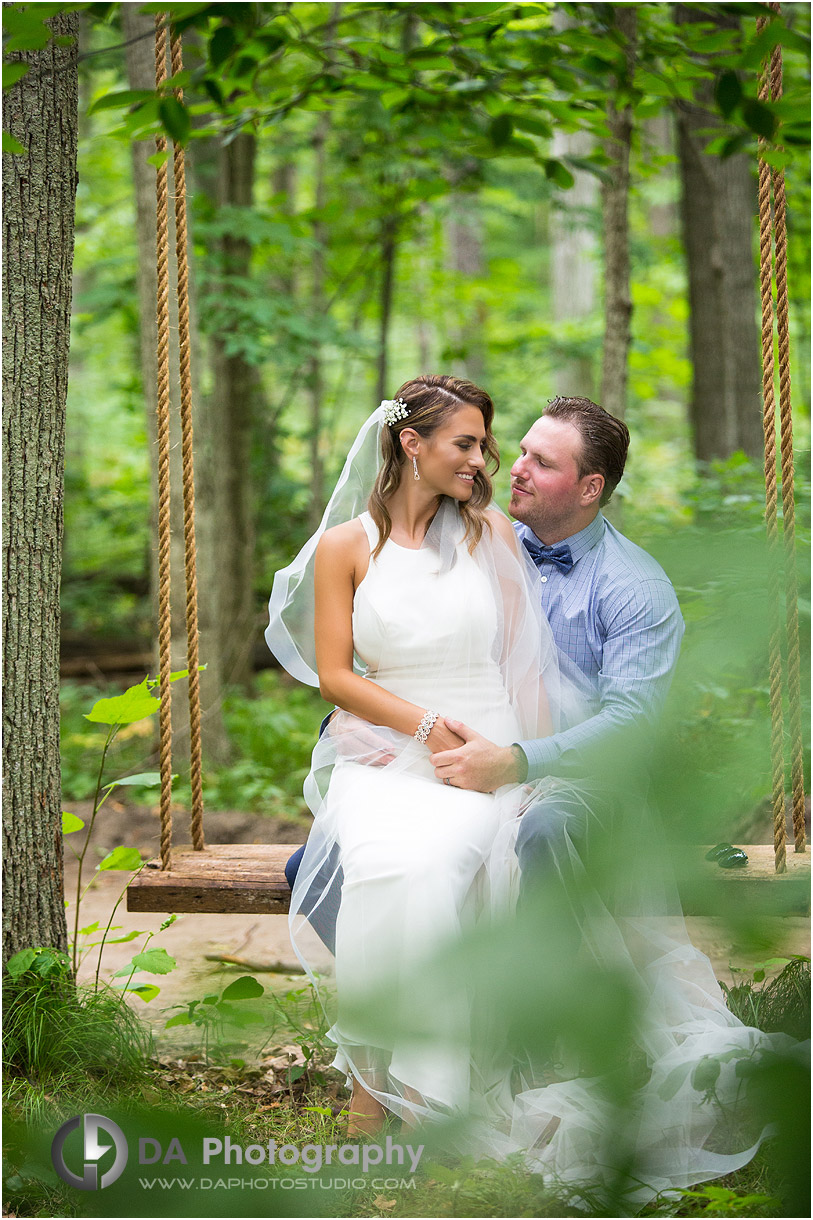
(39,189)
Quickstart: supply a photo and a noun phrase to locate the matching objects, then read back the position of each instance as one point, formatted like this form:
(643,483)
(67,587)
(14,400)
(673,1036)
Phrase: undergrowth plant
(781,1005)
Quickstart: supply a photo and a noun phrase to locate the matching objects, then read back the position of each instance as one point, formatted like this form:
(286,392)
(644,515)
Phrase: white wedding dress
(411,848)
(421,864)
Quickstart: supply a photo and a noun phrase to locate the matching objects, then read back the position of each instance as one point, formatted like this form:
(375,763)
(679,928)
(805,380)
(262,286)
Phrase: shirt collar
(582,542)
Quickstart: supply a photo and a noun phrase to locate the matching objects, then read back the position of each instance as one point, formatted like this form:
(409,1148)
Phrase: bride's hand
(442,738)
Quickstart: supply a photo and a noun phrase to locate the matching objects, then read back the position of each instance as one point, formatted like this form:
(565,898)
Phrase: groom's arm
(644,630)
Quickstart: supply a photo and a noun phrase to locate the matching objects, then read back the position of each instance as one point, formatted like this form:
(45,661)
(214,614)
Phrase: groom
(614,616)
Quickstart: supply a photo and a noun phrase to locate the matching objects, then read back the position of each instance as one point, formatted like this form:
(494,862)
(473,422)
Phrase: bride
(411,604)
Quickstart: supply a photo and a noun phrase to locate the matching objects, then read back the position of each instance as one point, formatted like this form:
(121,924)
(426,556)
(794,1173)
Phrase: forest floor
(260,944)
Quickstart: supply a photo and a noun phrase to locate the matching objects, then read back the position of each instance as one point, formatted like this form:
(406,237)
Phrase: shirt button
(544,579)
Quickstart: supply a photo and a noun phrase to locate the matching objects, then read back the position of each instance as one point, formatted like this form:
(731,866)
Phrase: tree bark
(464,241)
(39,188)
(141,75)
(614,199)
(314,379)
(717,212)
(236,386)
(388,233)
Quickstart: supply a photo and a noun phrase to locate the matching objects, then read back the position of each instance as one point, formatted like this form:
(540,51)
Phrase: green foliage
(781,1005)
(60,1036)
(272,735)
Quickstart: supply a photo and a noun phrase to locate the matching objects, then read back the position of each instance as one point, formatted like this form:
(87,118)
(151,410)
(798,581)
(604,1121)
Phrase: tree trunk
(236,385)
(39,189)
(314,378)
(717,211)
(573,265)
(141,75)
(464,242)
(389,230)
(614,199)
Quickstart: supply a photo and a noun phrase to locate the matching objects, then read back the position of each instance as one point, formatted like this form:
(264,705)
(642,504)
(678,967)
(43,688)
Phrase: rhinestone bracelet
(425,727)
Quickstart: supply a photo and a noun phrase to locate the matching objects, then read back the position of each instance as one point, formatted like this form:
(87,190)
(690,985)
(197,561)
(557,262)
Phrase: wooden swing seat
(228,878)
(249,879)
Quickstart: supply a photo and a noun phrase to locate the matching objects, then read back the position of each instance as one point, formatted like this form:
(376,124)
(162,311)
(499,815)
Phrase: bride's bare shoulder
(502,527)
(344,539)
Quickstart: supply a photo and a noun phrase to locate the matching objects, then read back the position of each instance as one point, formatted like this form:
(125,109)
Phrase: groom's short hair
(605,439)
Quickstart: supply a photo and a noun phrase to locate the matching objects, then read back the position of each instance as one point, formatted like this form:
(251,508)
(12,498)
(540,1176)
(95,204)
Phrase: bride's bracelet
(425,727)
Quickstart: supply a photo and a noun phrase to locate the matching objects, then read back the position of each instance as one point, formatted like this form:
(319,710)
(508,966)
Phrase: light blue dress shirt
(616,619)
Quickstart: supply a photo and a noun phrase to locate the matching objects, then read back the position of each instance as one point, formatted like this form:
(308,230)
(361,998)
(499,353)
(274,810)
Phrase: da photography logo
(94,1126)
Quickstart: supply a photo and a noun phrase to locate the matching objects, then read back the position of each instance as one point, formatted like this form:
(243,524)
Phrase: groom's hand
(478,764)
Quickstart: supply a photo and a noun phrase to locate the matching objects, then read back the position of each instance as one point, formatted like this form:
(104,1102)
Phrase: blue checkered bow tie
(559,554)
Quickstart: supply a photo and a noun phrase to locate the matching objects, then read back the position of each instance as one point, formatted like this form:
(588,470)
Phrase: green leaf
(10,145)
(154,961)
(122,940)
(556,172)
(214,90)
(145,779)
(533,124)
(124,97)
(92,927)
(135,704)
(20,962)
(704,1076)
(123,859)
(759,118)
(12,73)
(501,130)
(728,92)
(244,988)
(673,1082)
(70,823)
(175,118)
(158,158)
(181,1018)
(175,676)
(144,991)
(33,37)
(221,45)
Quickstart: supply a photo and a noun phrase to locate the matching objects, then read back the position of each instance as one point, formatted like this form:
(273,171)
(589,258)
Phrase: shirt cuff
(540,753)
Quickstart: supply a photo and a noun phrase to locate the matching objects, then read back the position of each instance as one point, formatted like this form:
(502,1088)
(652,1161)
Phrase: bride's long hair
(432,399)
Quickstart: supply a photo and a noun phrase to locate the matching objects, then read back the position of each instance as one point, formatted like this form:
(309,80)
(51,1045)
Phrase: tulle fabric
(416,868)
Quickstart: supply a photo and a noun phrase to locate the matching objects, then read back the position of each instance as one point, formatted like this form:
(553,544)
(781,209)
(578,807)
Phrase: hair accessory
(425,727)
(415,474)
(394,410)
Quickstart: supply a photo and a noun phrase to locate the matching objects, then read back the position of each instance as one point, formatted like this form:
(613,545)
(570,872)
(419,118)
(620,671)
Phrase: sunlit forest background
(343,240)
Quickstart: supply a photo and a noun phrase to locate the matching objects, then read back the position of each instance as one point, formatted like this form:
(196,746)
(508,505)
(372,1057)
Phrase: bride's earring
(415,474)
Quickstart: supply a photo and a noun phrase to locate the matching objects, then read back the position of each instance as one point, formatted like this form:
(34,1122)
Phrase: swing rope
(770,87)
(788,500)
(164,611)
(195,751)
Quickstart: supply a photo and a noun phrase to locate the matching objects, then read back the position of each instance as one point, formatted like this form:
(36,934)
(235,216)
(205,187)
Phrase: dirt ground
(262,941)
